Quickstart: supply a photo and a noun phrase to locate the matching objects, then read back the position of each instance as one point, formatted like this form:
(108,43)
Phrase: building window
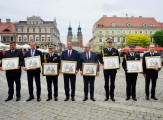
(25,38)
(19,30)
(36,30)
(100,39)
(113,24)
(48,30)
(141,32)
(107,32)
(113,39)
(48,38)
(12,39)
(152,25)
(123,39)
(19,38)
(113,32)
(146,32)
(43,30)
(119,39)
(145,25)
(118,32)
(120,25)
(25,30)
(30,30)
(31,37)
(151,32)
(100,32)
(36,22)
(42,38)
(129,24)
(124,32)
(37,38)
(42,47)
(136,32)
(130,32)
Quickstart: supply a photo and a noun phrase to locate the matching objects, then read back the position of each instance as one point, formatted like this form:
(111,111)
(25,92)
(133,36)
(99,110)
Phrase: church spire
(79,30)
(69,30)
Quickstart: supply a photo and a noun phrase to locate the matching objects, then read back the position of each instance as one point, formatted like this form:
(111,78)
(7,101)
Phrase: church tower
(69,35)
(80,37)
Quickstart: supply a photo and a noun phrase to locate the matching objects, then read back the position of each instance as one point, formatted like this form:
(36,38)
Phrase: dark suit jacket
(37,52)
(74,56)
(129,57)
(93,59)
(17,53)
(151,72)
(1,55)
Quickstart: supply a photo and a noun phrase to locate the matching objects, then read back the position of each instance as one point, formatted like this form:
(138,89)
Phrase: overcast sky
(73,11)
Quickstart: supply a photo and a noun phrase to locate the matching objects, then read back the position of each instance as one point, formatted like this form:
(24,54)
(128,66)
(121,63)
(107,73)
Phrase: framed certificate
(153,61)
(32,62)
(68,67)
(134,66)
(49,69)
(111,62)
(89,69)
(10,63)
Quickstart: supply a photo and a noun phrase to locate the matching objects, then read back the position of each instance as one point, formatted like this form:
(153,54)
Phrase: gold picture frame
(134,66)
(153,61)
(70,68)
(32,62)
(110,60)
(91,69)
(51,71)
(10,63)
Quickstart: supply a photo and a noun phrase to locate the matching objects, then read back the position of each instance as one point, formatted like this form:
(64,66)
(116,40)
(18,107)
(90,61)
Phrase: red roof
(161,25)
(7,28)
(137,22)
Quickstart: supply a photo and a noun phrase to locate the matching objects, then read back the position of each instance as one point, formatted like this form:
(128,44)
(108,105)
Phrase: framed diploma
(10,63)
(32,62)
(89,69)
(134,66)
(50,69)
(153,61)
(68,67)
(111,62)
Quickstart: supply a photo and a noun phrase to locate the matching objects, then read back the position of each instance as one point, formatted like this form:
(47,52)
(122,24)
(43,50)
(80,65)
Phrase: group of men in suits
(86,57)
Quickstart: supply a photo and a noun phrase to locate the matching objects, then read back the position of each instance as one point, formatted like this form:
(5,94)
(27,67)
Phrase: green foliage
(122,45)
(158,38)
(142,40)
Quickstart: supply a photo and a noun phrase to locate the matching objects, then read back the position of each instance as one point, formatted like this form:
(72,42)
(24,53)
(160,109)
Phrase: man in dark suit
(51,57)
(70,55)
(150,74)
(109,74)
(14,75)
(131,78)
(88,57)
(33,73)
(1,55)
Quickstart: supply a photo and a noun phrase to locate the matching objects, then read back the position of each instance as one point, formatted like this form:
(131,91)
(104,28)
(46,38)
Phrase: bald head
(87,47)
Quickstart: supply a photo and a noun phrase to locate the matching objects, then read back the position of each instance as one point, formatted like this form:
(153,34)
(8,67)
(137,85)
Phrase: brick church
(77,41)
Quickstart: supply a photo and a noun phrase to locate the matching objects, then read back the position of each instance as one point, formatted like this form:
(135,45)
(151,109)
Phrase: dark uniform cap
(132,47)
(51,46)
(109,40)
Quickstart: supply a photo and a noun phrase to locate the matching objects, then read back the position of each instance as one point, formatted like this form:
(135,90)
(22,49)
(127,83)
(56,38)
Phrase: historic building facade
(77,41)
(38,30)
(117,28)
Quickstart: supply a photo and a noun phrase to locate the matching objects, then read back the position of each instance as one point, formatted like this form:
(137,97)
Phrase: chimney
(114,16)
(104,15)
(7,20)
(140,16)
(0,20)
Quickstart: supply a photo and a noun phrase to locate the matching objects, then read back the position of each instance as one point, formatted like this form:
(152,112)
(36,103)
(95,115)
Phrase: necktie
(69,54)
(12,51)
(88,55)
(132,55)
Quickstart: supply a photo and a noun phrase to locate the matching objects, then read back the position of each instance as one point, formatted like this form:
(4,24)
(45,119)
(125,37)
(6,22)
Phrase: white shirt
(33,54)
(152,53)
(132,54)
(51,54)
(109,49)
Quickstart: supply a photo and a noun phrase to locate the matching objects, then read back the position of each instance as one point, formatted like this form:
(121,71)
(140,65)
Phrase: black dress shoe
(48,99)
(55,99)
(134,99)
(93,99)
(85,99)
(147,98)
(112,99)
(106,99)
(73,99)
(153,97)
(30,98)
(8,99)
(18,99)
(66,99)
(127,98)
(38,99)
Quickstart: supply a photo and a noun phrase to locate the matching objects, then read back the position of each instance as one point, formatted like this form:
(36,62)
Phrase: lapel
(72,52)
(35,53)
(85,55)
(90,56)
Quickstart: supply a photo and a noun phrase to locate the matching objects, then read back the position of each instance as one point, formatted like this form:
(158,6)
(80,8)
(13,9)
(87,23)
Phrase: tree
(158,38)
(122,45)
(142,40)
